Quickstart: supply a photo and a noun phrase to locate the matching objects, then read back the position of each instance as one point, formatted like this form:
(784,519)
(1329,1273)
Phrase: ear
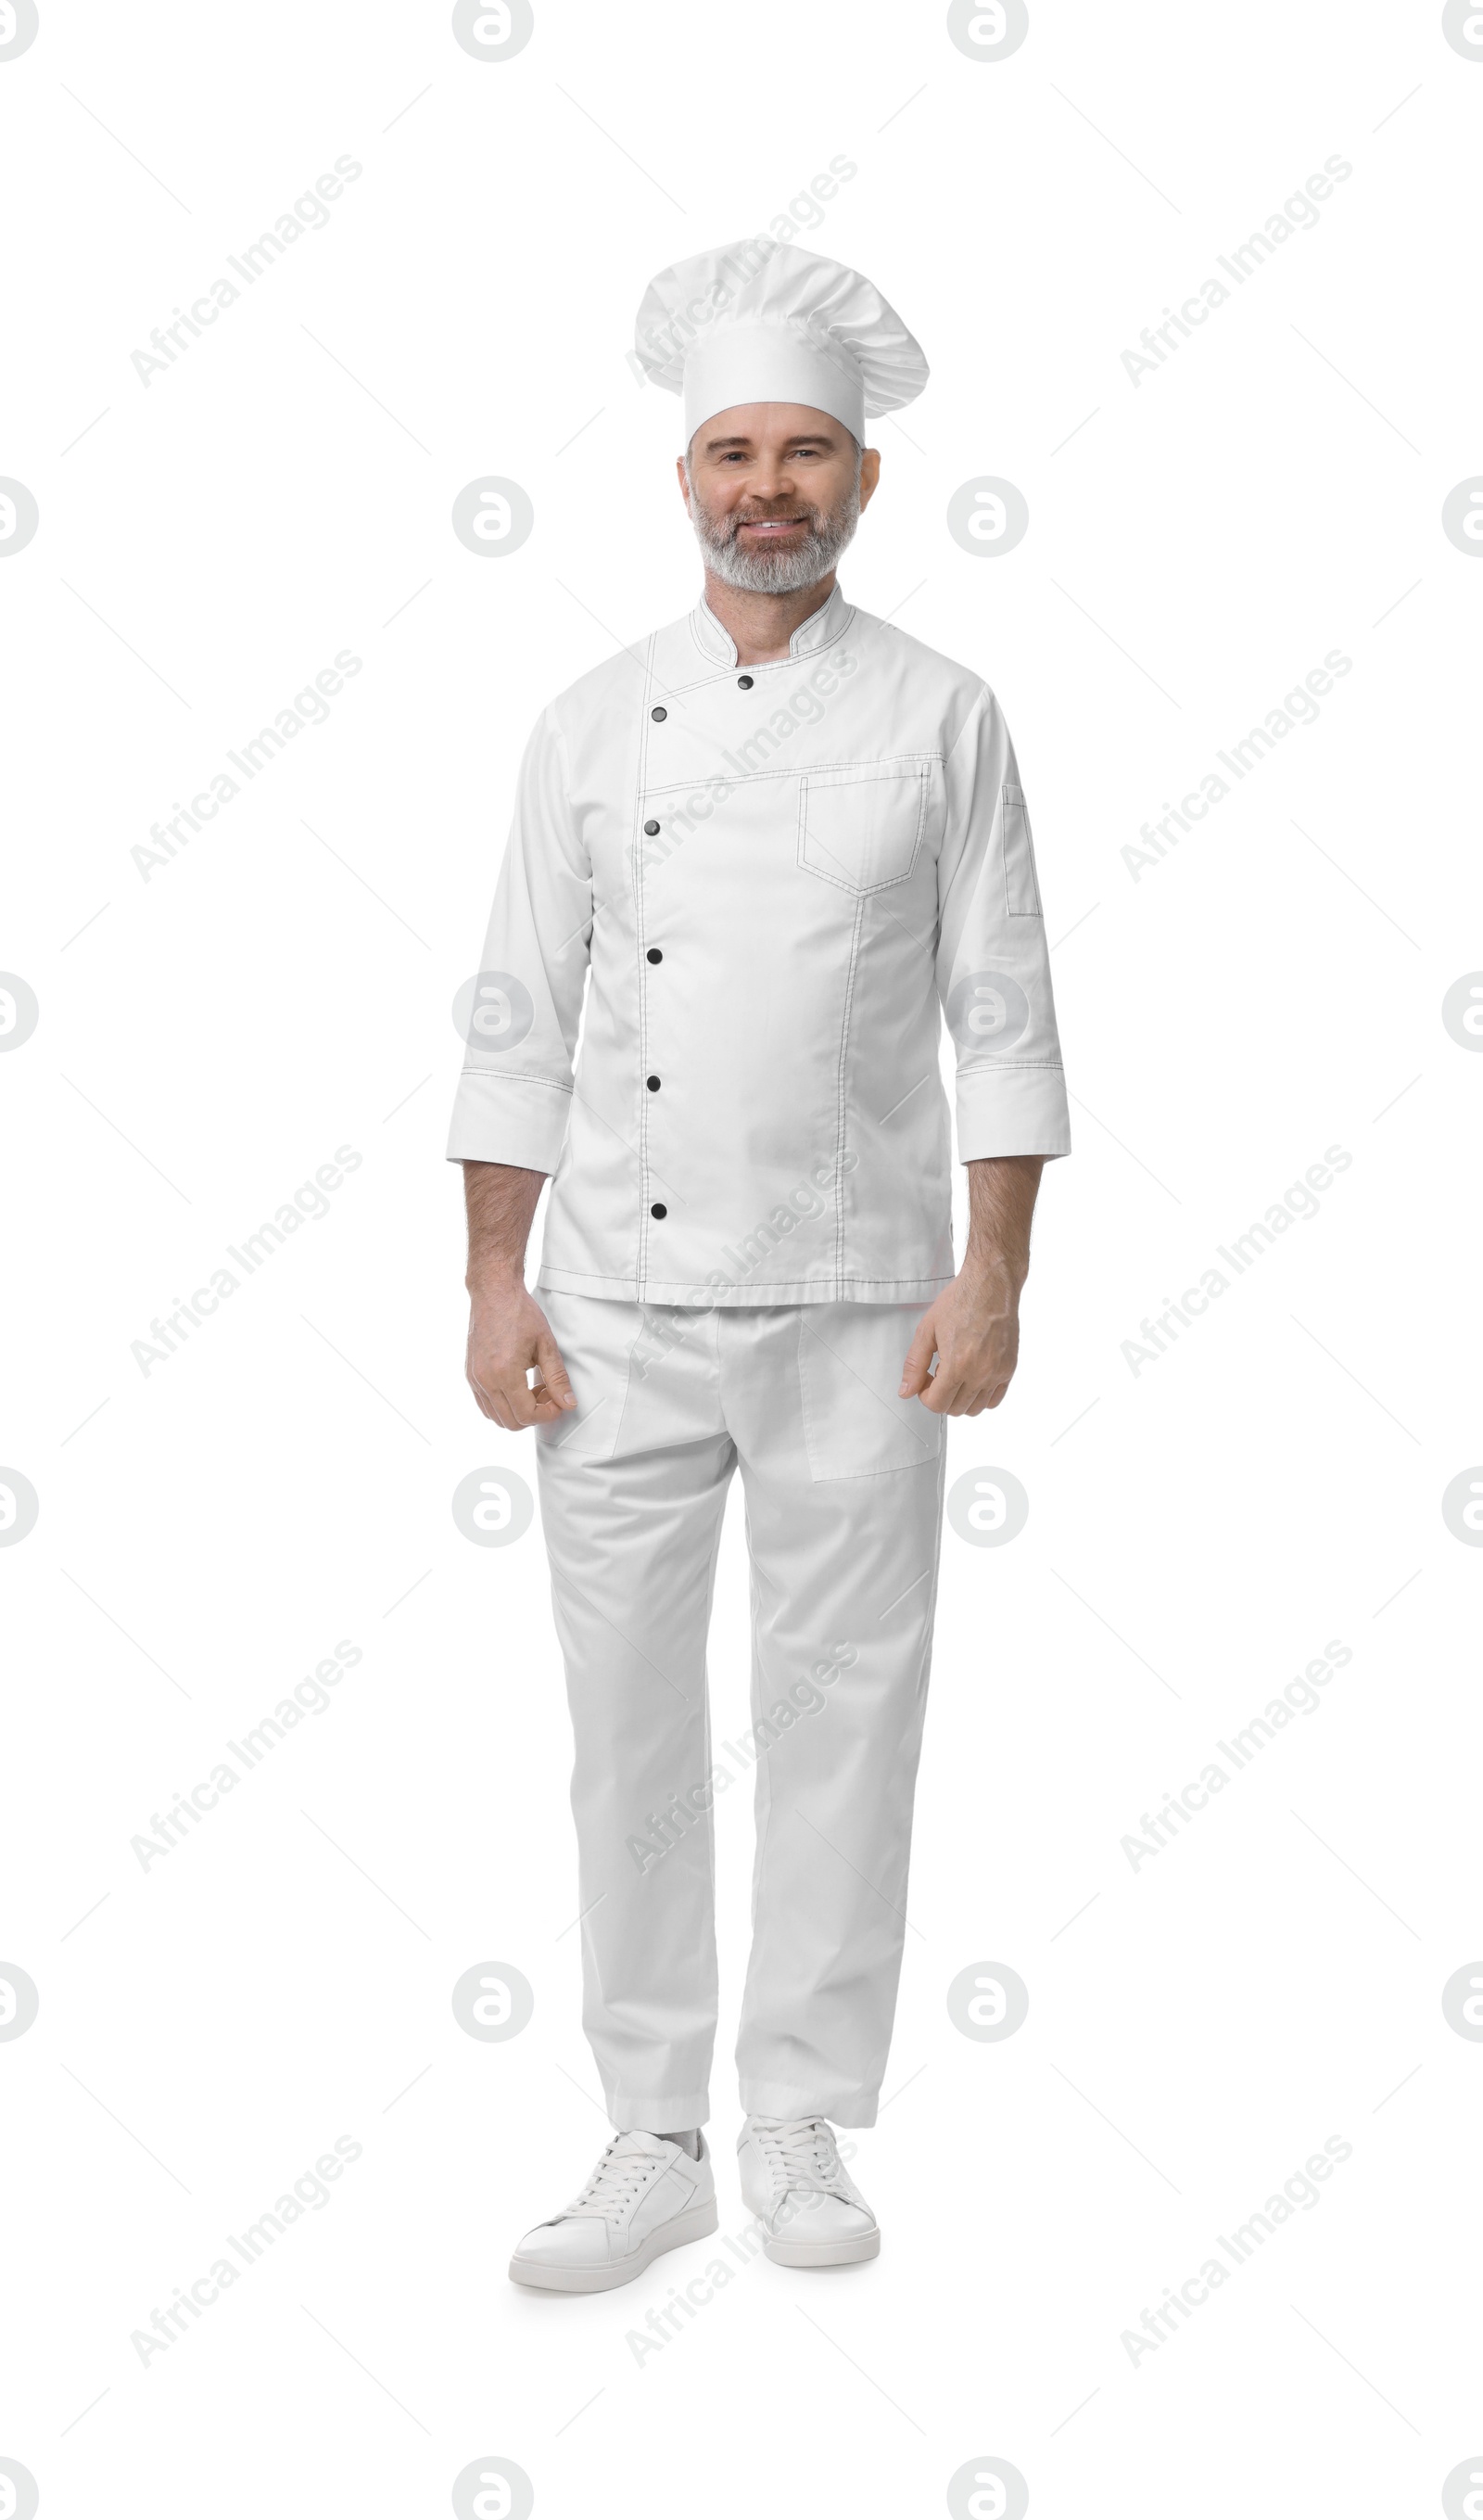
(870,474)
(679,477)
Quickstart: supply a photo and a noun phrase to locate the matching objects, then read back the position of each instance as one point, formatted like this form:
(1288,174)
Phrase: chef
(757,859)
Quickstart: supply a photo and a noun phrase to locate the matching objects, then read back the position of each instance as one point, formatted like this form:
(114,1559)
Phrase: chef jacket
(776,874)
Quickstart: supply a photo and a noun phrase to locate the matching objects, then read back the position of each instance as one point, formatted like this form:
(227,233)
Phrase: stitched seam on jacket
(1022,1066)
(693,626)
(850,614)
(639,965)
(867,772)
(887,763)
(712,1300)
(493,1077)
(845,1039)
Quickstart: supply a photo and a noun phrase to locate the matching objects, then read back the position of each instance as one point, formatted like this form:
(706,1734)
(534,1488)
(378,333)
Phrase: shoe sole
(823,2253)
(696,2225)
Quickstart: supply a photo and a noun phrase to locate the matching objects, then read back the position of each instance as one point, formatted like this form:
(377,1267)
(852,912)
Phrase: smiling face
(774,491)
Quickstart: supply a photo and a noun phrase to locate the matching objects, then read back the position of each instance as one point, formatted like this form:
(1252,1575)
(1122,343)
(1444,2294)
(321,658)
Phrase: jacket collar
(820,630)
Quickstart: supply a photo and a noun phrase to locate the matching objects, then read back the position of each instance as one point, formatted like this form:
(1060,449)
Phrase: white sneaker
(792,2179)
(644,2195)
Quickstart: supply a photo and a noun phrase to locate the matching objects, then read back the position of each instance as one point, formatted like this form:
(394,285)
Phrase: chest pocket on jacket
(861,827)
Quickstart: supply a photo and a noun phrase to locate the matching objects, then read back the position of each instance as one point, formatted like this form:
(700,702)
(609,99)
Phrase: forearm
(509,1335)
(1002,1194)
(502,1200)
(973,1328)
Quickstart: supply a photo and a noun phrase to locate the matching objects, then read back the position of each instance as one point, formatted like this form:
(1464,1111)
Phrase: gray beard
(780,572)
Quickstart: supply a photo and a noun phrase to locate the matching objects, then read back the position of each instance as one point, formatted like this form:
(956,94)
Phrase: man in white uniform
(771,848)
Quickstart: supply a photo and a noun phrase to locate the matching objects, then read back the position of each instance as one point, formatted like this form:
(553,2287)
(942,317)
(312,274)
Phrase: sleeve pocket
(1022,893)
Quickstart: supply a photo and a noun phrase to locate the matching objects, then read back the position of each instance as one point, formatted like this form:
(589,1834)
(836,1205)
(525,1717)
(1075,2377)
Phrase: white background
(1199,1530)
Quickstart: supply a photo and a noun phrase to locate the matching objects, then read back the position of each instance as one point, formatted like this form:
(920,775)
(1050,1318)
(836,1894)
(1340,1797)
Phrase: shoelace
(801,2152)
(615,2182)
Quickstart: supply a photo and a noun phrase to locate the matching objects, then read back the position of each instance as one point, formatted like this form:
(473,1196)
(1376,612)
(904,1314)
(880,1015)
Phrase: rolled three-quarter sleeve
(515,1093)
(993,968)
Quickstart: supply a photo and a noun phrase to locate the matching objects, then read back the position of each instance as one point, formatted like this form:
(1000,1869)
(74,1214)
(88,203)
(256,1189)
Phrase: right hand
(508,1333)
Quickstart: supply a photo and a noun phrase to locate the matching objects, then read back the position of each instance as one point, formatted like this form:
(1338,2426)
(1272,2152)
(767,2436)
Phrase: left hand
(974,1328)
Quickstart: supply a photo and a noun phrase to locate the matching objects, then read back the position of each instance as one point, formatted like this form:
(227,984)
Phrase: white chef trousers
(843,1491)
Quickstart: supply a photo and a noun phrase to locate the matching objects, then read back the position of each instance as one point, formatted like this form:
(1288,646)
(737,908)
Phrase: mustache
(772,568)
(814,517)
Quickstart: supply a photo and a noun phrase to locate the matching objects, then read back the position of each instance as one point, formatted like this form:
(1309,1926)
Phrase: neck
(762,626)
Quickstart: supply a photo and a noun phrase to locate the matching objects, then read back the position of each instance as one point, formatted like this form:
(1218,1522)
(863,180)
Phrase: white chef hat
(762,322)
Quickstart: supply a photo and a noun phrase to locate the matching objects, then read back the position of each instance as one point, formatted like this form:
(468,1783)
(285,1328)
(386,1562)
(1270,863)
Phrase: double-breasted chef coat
(780,877)
(772,882)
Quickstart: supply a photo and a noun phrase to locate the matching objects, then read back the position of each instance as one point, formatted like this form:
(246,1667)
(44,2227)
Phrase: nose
(771,481)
